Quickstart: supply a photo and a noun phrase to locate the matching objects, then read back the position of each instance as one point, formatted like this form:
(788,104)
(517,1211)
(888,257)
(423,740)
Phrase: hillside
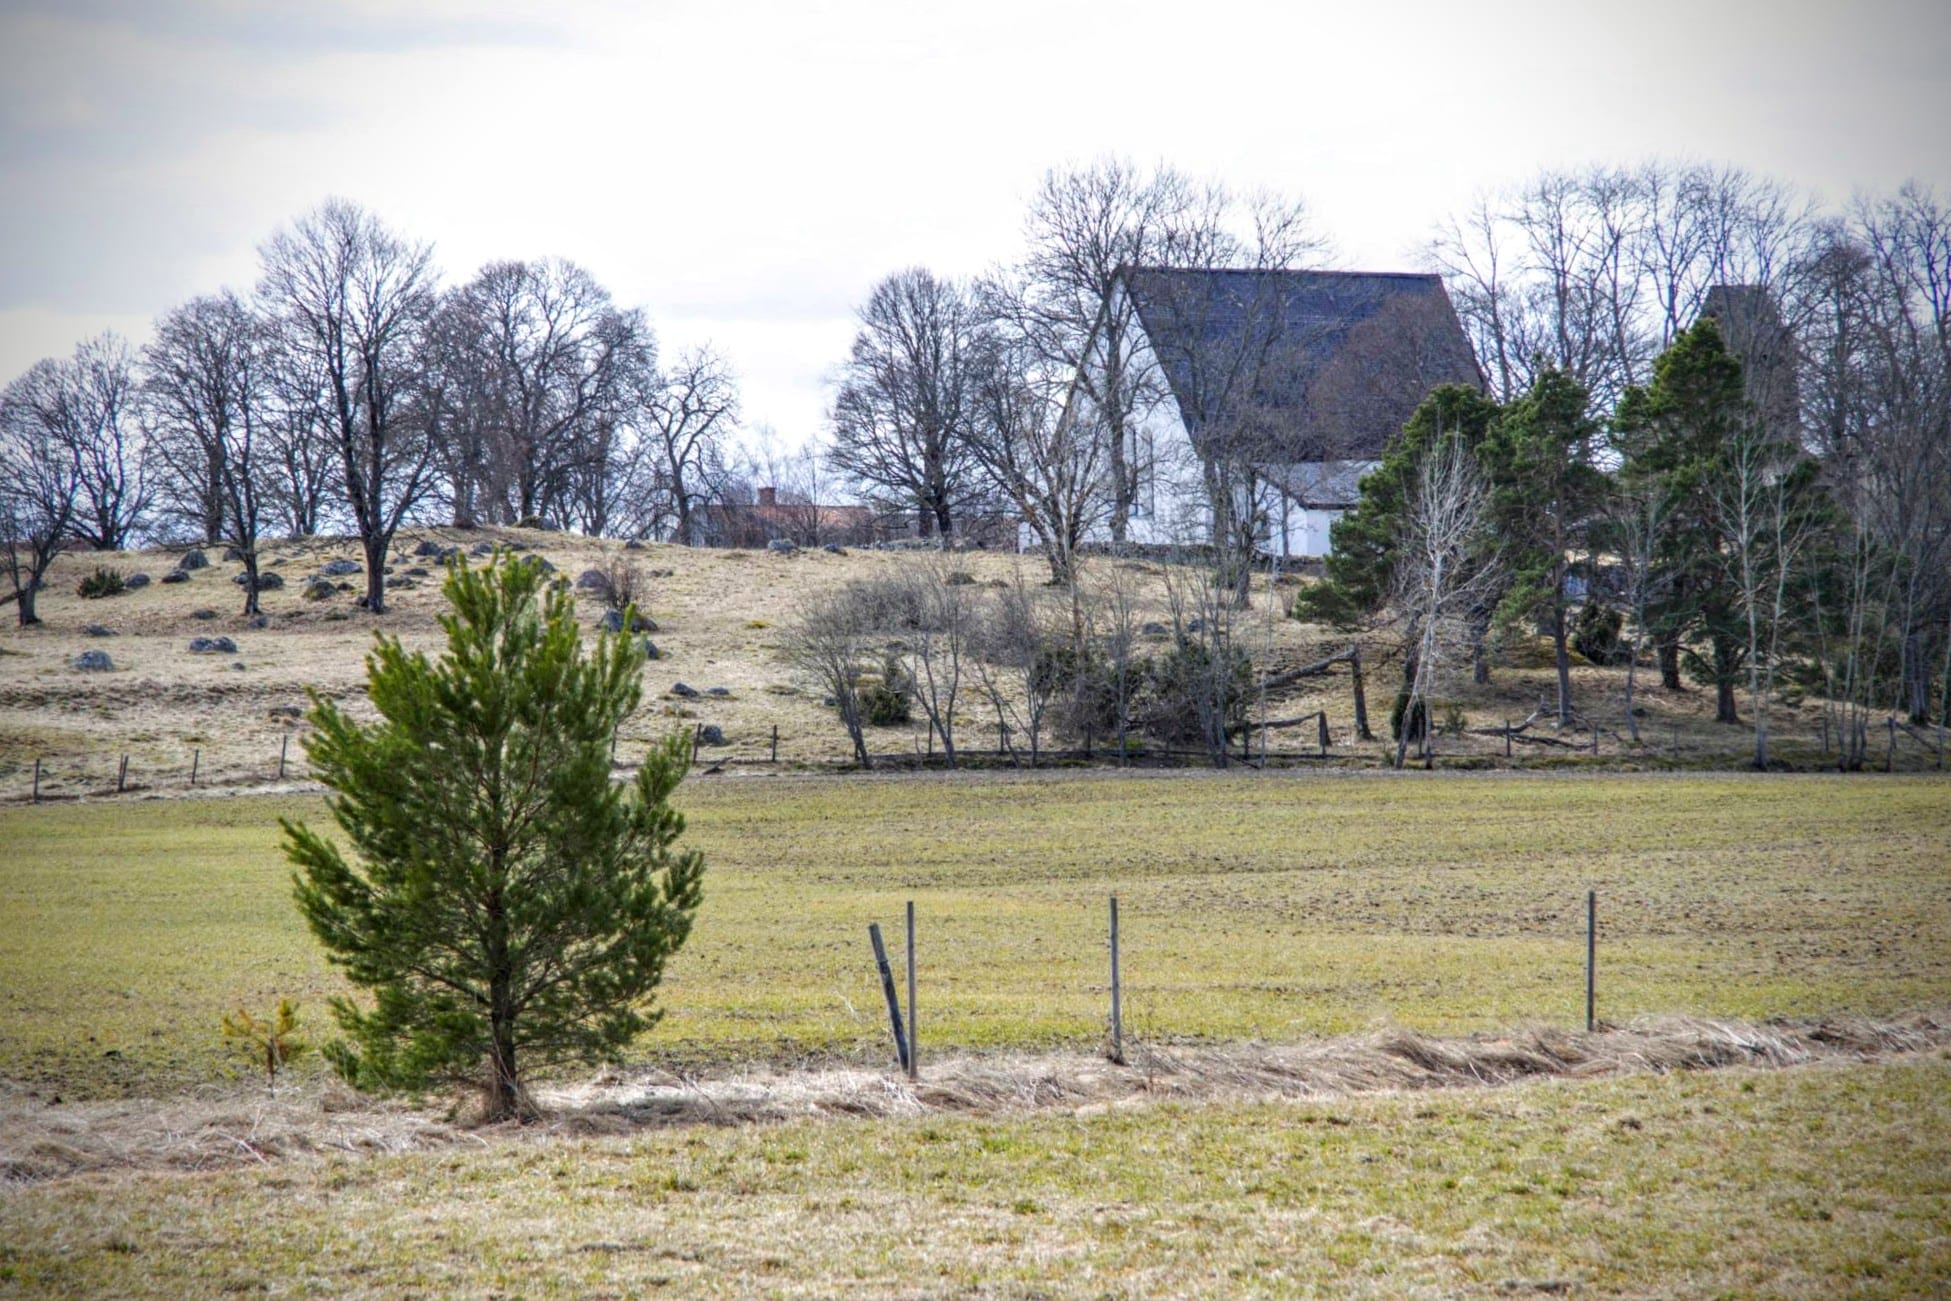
(719,617)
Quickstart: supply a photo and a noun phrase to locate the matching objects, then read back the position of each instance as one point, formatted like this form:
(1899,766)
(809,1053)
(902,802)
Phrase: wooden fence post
(775,743)
(1507,738)
(196,761)
(697,732)
(122,775)
(887,992)
(914,1038)
(37,779)
(1322,734)
(1591,960)
(1117,993)
(284,744)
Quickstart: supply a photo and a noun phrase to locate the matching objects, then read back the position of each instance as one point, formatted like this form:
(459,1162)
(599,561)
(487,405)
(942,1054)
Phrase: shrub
(103,582)
(1595,634)
(1418,718)
(272,1042)
(886,700)
(1197,693)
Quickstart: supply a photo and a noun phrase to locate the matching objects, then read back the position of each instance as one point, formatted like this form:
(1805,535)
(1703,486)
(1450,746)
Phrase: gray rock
(203,614)
(193,560)
(1154,630)
(782,546)
(176,576)
(634,544)
(1195,625)
(723,693)
(260,620)
(92,661)
(481,549)
(543,561)
(135,581)
(98,630)
(417,572)
(212,646)
(233,553)
(684,692)
(342,587)
(592,580)
(319,590)
(959,579)
(237,666)
(403,585)
(268,580)
(429,547)
(650,650)
(286,711)
(834,549)
(711,734)
(340,568)
(612,621)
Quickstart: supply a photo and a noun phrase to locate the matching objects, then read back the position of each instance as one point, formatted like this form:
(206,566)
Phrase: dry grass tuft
(218,1128)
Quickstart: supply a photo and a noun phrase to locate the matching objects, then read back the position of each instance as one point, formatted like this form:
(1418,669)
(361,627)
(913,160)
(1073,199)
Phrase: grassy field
(1818,1182)
(1254,906)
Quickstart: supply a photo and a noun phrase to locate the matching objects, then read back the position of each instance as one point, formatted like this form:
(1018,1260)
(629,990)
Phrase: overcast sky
(745,172)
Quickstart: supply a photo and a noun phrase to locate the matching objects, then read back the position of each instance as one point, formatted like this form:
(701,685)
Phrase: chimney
(768,498)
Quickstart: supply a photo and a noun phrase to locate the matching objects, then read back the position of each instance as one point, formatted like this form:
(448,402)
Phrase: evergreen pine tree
(508,906)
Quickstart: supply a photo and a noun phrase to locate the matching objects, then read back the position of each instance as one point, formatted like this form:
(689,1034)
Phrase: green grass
(1274,907)
(1822,1181)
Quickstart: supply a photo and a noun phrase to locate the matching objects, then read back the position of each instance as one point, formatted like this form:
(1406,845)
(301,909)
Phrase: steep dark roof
(1319,365)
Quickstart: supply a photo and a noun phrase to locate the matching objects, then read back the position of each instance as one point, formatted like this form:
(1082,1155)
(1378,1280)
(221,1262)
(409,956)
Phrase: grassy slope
(1270,906)
(1816,1182)
(721,615)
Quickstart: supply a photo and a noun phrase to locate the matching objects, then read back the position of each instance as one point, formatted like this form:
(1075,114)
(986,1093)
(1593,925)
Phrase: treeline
(350,391)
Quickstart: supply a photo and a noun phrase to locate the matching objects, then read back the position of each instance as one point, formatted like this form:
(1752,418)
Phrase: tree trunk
(1724,702)
(1564,661)
(250,579)
(1361,697)
(1668,652)
(375,549)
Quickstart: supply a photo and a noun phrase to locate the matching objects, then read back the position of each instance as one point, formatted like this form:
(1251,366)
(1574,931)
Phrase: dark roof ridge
(1282,271)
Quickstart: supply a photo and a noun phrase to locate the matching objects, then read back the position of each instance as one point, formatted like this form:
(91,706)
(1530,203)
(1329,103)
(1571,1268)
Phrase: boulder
(481,550)
(203,614)
(340,568)
(592,580)
(268,580)
(286,711)
(98,630)
(834,549)
(233,553)
(417,571)
(175,576)
(212,646)
(684,692)
(429,547)
(543,561)
(650,650)
(403,585)
(92,661)
(193,559)
(711,734)
(134,581)
(723,693)
(260,620)
(634,544)
(1154,630)
(319,590)
(782,546)
(612,621)
(959,579)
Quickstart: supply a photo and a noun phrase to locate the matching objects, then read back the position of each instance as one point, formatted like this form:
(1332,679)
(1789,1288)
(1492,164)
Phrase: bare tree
(902,413)
(944,623)
(88,403)
(1031,435)
(687,419)
(40,470)
(541,359)
(1439,573)
(352,301)
(827,641)
(207,387)
(1085,226)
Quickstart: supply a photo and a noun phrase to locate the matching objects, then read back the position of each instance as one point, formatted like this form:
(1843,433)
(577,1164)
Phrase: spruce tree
(507,905)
